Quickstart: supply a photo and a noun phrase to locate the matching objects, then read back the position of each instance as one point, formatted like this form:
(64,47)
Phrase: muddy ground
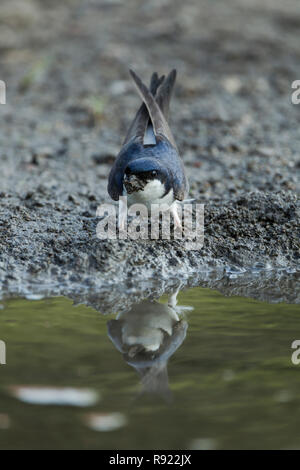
(69,102)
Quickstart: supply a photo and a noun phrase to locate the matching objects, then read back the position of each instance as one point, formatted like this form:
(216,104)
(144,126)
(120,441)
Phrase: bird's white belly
(153,193)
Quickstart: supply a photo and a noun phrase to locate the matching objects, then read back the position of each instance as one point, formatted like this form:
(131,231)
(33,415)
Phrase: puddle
(194,369)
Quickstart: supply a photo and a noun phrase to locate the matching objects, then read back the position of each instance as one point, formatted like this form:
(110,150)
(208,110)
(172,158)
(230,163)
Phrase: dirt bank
(69,101)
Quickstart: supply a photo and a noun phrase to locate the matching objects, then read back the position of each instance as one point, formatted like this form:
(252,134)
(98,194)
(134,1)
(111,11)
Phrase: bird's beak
(133,351)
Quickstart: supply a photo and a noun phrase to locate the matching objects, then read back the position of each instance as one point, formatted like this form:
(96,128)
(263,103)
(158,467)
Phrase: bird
(148,169)
(148,335)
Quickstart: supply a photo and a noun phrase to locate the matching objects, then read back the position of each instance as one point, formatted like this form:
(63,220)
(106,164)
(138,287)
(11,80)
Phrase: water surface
(212,372)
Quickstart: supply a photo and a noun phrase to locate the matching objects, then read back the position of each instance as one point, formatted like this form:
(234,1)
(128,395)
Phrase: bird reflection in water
(148,335)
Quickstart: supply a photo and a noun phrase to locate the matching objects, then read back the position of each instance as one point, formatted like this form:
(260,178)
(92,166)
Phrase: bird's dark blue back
(163,151)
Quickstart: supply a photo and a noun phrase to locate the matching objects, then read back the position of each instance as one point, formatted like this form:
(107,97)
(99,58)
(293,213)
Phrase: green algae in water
(231,379)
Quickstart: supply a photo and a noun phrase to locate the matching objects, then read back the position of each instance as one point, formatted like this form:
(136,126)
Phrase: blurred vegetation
(36,71)
(96,106)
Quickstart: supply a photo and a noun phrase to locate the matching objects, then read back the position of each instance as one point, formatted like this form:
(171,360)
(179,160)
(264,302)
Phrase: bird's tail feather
(155,82)
(164,93)
(158,120)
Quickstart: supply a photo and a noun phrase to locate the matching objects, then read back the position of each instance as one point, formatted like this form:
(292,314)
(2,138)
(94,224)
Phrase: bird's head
(139,173)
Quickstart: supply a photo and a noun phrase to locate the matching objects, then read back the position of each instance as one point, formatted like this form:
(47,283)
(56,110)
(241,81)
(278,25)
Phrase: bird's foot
(177,219)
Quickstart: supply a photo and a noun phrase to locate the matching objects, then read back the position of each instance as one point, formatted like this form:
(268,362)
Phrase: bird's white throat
(153,193)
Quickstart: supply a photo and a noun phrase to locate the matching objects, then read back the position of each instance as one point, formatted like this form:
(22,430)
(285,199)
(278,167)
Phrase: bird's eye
(154,173)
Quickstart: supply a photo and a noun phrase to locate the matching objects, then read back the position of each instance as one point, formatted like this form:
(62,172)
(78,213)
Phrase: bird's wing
(114,328)
(115,182)
(180,183)
(159,123)
(140,122)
